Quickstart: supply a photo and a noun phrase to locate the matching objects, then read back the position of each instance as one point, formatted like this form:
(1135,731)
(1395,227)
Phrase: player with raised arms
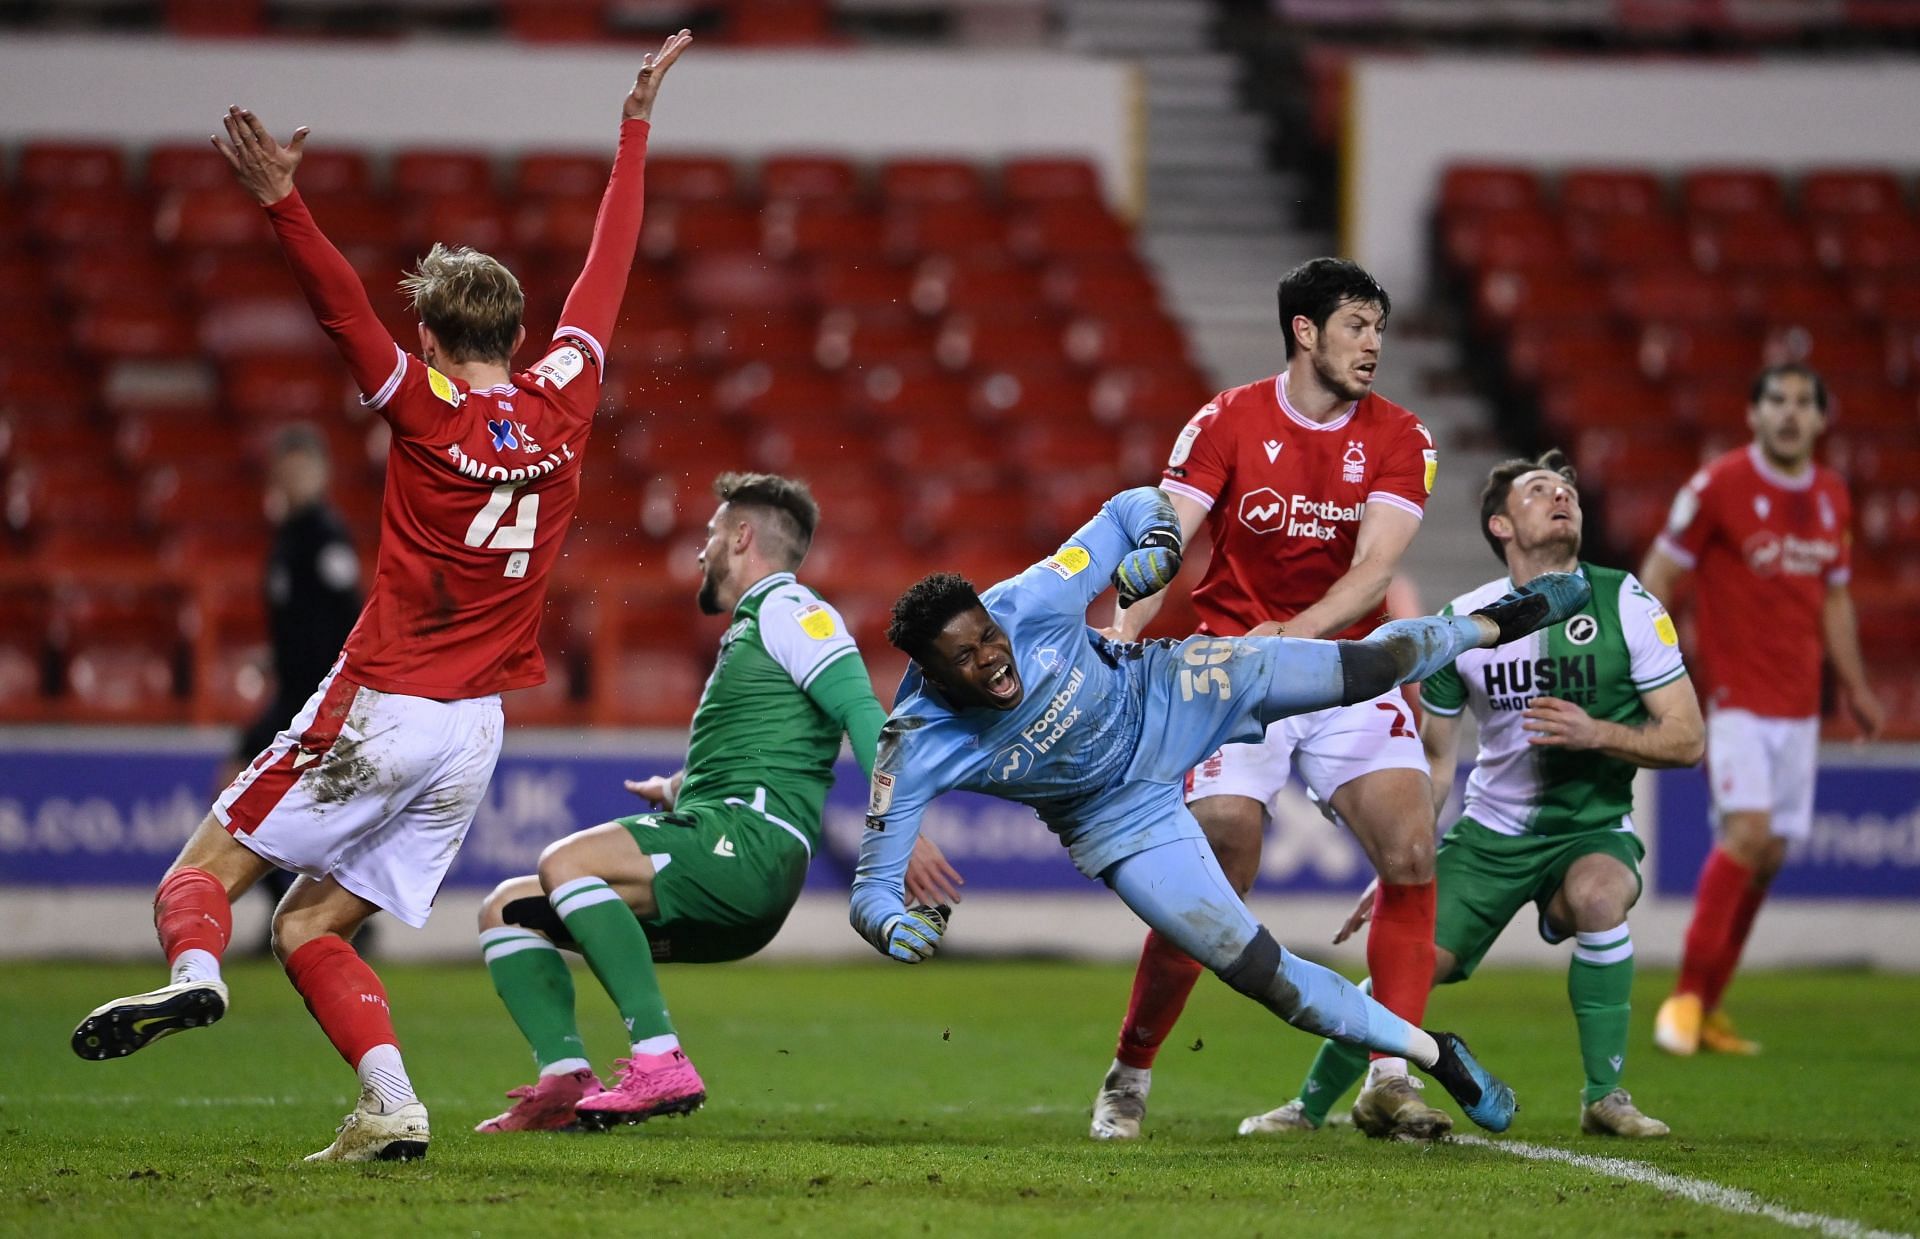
(1312,485)
(713,877)
(369,791)
(1767,530)
(1012,694)
(1567,717)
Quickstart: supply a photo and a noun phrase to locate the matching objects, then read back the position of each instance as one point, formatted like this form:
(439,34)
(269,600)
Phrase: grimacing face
(1346,351)
(1544,510)
(1786,420)
(972,662)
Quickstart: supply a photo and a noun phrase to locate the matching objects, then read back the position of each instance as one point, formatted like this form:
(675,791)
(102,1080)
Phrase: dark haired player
(713,877)
(1013,694)
(1567,716)
(1312,486)
(369,791)
(1767,530)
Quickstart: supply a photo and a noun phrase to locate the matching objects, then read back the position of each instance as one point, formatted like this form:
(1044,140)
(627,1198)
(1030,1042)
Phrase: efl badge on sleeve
(816,621)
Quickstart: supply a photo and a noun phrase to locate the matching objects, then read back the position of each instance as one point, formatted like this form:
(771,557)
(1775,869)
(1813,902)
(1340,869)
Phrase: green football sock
(1600,985)
(535,984)
(1336,1068)
(618,952)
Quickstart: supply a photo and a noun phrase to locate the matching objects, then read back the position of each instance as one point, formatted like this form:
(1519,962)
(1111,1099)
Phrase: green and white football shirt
(1621,645)
(760,723)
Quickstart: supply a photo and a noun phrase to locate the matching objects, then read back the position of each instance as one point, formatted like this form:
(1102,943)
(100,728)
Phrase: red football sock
(191,912)
(1400,950)
(1752,895)
(343,995)
(1709,958)
(1161,984)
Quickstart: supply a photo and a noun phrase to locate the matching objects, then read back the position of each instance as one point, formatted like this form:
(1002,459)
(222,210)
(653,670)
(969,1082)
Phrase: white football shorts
(375,790)
(1764,765)
(1331,747)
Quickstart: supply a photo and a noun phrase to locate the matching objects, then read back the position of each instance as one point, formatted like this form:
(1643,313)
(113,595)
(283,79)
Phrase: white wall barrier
(90,818)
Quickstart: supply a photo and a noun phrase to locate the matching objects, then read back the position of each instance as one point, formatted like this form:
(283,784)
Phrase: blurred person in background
(1765,530)
(312,592)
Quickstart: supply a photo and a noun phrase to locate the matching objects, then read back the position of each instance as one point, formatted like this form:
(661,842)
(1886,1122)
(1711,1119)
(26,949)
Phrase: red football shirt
(1763,547)
(1284,497)
(481,485)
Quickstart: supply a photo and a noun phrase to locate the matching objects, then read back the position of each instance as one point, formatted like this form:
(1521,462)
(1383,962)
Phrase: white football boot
(1288,1118)
(1121,1104)
(366,1135)
(1616,1115)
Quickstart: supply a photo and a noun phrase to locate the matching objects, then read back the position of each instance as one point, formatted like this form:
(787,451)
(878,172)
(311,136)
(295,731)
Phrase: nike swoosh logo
(301,759)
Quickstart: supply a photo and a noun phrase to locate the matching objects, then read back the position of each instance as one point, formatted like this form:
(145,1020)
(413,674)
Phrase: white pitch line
(1700,1191)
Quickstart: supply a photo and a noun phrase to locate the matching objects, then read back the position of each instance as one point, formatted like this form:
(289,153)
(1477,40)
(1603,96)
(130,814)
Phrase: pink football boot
(648,1084)
(545,1105)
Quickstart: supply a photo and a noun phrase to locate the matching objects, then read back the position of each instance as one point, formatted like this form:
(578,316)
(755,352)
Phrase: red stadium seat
(998,340)
(121,649)
(1610,401)
(1715,408)
(1539,297)
(1890,518)
(45,166)
(23,281)
(1874,408)
(1635,516)
(1115,339)
(1037,180)
(806,229)
(144,442)
(1739,243)
(217,275)
(1851,192)
(1630,242)
(921,181)
(902,395)
(47,388)
(286,388)
(815,448)
(90,278)
(483,222)
(1154,395)
(1068,228)
(1793,299)
(555,21)
(1535,354)
(778,23)
(776,337)
(1671,296)
(691,179)
(250,326)
(964,227)
(193,165)
(333,170)
(672,230)
(774,393)
(197,493)
(1527,238)
(860,283)
(1698,351)
(1873,460)
(1097,287)
(808,178)
(1018,396)
(51,492)
(110,331)
(84,218)
(1732,191)
(942,285)
(1871,245)
(1656,455)
(28,434)
(1837,348)
(215,218)
(1611,191)
(358,220)
(666,433)
(583,177)
(883,336)
(1488,187)
(441,173)
(738,281)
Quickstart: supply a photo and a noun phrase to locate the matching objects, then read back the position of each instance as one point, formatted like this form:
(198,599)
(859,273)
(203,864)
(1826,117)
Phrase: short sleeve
(1407,473)
(1653,646)
(1842,570)
(1201,463)
(1445,691)
(1689,521)
(804,634)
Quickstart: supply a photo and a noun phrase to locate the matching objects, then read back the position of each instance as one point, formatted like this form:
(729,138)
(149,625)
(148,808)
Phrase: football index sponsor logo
(1265,511)
(1059,717)
(1011,763)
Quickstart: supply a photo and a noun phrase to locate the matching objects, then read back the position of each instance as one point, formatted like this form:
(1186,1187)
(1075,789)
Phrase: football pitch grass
(947,1099)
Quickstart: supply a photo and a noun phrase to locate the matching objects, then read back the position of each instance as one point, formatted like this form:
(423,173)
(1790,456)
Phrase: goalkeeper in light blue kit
(1014,695)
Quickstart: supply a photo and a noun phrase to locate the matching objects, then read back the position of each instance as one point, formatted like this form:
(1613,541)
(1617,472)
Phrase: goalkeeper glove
(1149,568)
(914,935)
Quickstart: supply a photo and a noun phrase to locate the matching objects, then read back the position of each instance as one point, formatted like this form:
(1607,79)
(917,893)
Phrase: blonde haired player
(370,789)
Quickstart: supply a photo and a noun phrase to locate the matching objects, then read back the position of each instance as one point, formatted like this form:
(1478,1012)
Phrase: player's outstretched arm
(1133,542)
(594,304)
(1130,621)
(265,169)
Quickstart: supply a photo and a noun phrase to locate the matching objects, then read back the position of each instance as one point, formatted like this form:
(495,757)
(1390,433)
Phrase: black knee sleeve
(1253,972)
(535,913)
(1367,669)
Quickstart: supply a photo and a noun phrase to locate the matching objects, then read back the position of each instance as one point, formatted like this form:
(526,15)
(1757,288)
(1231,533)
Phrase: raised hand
(1149,568)
(263,167)
(653,67)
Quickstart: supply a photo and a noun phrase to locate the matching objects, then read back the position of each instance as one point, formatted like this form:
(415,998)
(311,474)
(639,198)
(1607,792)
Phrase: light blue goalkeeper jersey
(1102,741)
